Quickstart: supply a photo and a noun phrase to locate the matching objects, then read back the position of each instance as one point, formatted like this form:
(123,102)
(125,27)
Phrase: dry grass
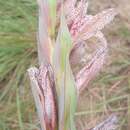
(109,93)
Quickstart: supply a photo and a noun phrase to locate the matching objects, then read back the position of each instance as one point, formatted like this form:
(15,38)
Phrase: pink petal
(94,24)
(87,73)
(39,99)
(43,88)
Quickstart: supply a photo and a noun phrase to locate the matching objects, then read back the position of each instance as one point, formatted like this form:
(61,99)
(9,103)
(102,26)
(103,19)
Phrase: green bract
(64,78)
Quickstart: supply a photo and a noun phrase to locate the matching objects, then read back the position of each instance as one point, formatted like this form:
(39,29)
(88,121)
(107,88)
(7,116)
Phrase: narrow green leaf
(64,77)
(19,111)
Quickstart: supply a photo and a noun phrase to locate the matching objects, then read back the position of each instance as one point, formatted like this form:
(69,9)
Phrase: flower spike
(54,86)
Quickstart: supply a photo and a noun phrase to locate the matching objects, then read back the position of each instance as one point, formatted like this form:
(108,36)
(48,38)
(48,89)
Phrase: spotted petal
(91,69)
(43,88)
(93,24)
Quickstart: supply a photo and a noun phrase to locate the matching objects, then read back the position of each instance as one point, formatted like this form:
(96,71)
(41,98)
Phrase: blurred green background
(108,93)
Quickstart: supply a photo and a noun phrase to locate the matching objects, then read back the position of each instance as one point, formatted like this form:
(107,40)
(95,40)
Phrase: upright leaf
(64,78)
